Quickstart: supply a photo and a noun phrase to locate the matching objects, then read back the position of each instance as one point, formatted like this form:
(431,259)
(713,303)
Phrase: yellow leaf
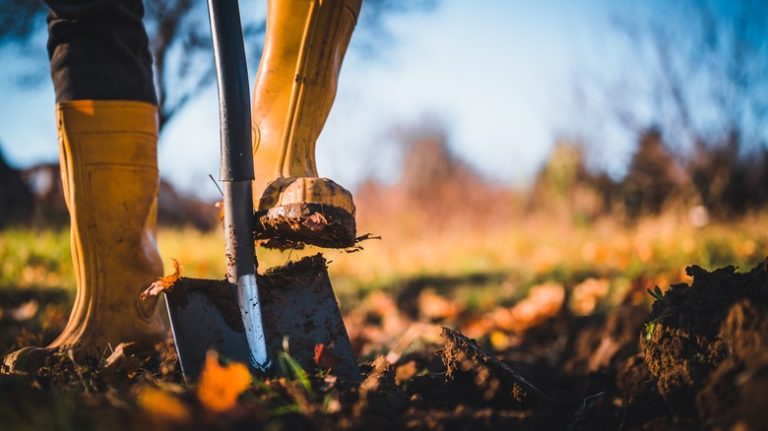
(587,294)
(162,405)
(499,340)
(220,386)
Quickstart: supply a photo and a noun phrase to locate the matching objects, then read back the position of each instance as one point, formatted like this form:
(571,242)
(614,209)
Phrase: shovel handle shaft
(234,94)
(235,122)
(237,170)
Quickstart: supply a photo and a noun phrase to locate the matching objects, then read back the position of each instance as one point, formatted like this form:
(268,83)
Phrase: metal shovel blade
(204,315)
(297,305)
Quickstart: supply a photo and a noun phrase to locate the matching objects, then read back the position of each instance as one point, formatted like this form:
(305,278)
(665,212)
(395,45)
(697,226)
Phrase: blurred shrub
(35,197)
(729,182)
(717,180)
(436,189)
(655,180)
(15,197)
(565,188)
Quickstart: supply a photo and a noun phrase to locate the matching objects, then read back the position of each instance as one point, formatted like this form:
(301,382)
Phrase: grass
(522,253)
(35,259)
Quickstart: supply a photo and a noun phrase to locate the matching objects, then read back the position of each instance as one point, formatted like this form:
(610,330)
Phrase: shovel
(246,317)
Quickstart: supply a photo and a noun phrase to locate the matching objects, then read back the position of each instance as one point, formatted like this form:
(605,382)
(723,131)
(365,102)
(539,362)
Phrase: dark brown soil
(705,347)
(696,360)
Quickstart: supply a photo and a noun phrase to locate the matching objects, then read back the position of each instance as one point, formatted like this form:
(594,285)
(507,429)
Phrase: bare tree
(180,44)
(705,67)
(180,40)
(700,77)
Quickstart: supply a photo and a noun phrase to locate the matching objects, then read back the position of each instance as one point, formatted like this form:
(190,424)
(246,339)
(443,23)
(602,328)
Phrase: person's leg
(293,94)
(98,50)
(107,127)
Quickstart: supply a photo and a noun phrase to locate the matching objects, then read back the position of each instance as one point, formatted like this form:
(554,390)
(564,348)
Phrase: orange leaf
(434,306)
(220,386)
(162,405)
(319,347)
(324,357)
(163,283)
(499,340)
(405,372)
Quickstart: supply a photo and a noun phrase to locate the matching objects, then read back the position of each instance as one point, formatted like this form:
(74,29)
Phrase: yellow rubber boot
(295,87)
(108,159)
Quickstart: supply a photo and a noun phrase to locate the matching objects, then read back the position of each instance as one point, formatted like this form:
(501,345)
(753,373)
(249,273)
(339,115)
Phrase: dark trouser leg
(99,51)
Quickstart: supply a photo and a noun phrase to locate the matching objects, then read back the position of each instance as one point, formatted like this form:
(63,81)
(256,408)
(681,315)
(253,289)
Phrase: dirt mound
(705,347)
(699,363)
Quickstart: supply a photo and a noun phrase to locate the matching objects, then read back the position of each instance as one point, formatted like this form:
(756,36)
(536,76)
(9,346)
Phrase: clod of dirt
(378,393)
(287,272)
(705,346)
(604,342)
(735,389)
(462,356)
(643,404)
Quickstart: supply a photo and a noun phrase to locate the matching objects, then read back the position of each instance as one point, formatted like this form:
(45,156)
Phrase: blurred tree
(564,187)
(655,179)
(19,19)
(180,40)
(706,75)
(433,179)
(15,198)
(562,170)
(436,190)
(699,72)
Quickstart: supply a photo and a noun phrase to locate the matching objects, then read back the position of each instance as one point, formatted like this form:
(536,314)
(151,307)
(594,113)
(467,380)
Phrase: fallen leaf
(435,307)
(543,301)
(324,356)
(24,311)
(118,357)
(219,386)
(499,340)
(404,372)
(319,348)
(164,283)
(162,405)
(587,294)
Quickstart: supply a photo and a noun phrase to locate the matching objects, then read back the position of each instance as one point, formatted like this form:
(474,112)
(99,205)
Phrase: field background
(478,268)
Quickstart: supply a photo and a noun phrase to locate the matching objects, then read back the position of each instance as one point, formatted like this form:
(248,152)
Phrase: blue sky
(498,73)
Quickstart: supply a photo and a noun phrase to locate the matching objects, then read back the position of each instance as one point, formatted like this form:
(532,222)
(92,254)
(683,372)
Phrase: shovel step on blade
(297,304)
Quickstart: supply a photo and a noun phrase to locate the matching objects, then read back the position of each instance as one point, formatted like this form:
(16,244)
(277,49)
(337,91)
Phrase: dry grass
(529,250)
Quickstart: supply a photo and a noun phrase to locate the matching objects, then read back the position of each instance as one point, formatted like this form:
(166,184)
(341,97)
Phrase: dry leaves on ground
(219,386)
